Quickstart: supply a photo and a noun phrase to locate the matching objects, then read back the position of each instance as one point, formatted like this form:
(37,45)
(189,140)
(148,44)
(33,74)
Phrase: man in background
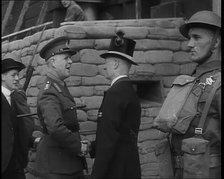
(73,11)
(58,12)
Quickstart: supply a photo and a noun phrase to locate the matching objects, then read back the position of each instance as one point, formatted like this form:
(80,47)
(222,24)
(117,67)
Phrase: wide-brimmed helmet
(203,19)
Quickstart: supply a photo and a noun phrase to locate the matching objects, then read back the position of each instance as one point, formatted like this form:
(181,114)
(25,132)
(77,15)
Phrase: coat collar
(124,78)
(117,78)
(210,66)
(53,75)
(59,85)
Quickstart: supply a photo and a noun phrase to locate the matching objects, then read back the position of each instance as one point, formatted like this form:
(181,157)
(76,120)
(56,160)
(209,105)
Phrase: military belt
(178,161)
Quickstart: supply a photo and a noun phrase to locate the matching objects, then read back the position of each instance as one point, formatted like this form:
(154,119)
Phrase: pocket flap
(183,80)
(194,145)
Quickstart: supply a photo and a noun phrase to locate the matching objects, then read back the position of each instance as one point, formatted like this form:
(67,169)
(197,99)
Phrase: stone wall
(160,52)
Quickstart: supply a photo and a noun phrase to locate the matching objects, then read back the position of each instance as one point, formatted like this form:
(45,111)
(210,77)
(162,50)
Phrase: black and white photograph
(111,89)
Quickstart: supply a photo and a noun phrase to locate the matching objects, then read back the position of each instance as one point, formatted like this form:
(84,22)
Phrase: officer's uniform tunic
(58,151)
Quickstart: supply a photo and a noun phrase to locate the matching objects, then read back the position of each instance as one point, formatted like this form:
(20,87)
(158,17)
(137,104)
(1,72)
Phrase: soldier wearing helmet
(203,32)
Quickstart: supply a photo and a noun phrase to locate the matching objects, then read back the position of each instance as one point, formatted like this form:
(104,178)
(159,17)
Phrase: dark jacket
(14,141)
(74,13)
(23,108)
(212,126)
(55,5)
(58,12)
(116,151)
(58,149)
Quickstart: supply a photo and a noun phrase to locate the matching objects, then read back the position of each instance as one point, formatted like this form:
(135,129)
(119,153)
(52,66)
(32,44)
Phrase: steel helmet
(204,18)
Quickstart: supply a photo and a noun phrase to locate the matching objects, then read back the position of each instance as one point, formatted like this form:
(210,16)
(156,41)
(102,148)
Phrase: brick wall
(160,52)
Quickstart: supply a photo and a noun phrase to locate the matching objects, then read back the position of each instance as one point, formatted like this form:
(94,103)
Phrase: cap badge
(47,85)
(119,41)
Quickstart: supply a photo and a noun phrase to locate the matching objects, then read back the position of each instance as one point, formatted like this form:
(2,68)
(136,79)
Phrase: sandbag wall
(160,52)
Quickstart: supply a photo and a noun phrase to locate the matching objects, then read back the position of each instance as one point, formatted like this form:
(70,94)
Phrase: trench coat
(115,148)
(58,150)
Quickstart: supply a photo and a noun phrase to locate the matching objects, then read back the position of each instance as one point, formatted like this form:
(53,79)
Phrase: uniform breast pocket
(69,114)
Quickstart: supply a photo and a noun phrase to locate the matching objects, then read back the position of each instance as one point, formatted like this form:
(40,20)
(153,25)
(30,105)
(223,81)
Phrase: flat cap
(59,45)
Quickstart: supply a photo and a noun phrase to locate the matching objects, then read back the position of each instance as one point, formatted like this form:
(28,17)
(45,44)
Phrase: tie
(8,97)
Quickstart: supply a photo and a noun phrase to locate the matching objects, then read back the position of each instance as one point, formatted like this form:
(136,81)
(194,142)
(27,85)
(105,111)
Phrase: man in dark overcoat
(21,105)
(115,148)
(60,151)
(15,138)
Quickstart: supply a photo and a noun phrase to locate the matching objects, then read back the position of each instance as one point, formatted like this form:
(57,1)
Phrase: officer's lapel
(63,90)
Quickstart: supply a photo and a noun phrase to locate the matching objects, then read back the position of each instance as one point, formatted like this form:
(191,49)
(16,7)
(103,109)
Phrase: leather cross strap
(216,85)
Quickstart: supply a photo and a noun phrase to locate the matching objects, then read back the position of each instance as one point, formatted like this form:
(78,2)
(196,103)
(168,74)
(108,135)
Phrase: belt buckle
(198,131)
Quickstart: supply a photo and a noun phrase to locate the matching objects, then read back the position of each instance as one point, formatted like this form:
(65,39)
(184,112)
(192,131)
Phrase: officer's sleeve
(107,134)
(50,109)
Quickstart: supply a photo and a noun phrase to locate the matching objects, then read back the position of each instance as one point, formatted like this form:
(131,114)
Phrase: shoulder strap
(207,104)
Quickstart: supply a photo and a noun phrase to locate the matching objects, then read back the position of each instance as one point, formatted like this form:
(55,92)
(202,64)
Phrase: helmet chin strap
(214,40)
(212,46)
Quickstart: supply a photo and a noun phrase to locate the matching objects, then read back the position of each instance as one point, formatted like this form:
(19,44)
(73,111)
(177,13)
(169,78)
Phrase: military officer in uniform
(60,151)
(14,134)
(115,148)
(203,31)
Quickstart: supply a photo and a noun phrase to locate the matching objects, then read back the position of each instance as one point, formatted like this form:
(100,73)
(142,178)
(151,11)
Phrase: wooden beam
(7,14)
(216,7)
(21,16)
(48,24)
(43,13)
(138,9)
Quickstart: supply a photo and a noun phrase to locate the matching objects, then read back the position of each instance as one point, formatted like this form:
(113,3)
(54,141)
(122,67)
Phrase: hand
(36,142)
(85,147)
